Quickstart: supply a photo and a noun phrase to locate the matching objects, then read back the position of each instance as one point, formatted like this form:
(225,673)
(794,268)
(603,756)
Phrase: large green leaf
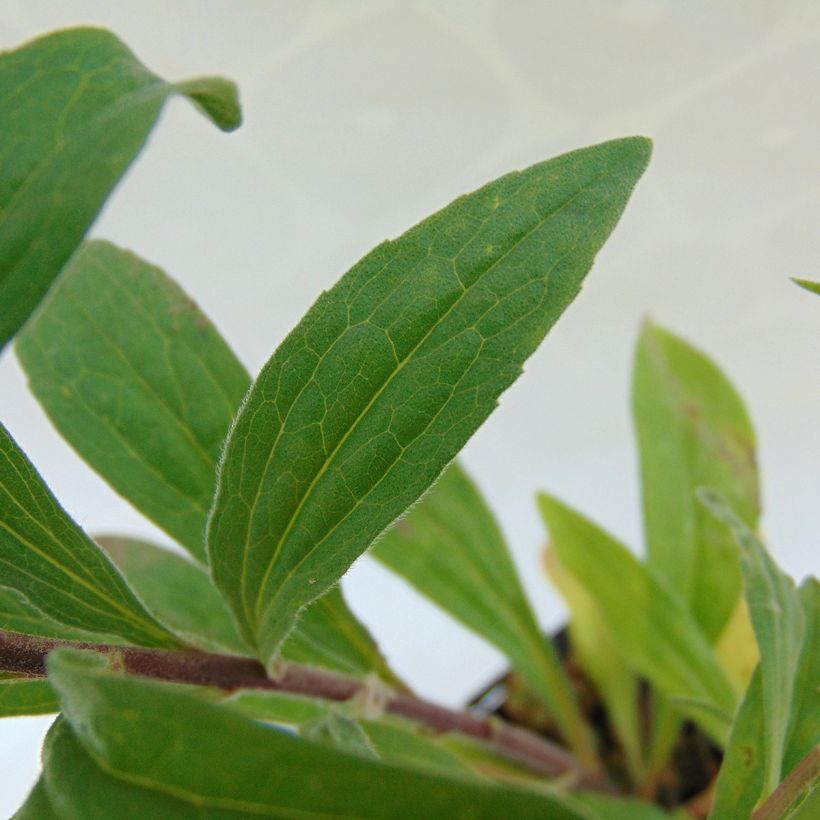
(390,372)
(450,548)
(779,623)
(172,743)
(26,696)
(181,594)
(693,430)
(48,559)
(652,627)
(139,381)
(75,109)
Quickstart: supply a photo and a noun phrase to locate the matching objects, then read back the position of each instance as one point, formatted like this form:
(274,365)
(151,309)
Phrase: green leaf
(18,614)
(807,284)
(450,548)
(48,559)
(620,808)
(390,372)
(276,707)
(602,660)
(779,622)
(653,629)
(804,733)
(138,380)
(76,107)
(339,732)
(26,696)
(37,805)
(693,431)
(169,742)
(177,591)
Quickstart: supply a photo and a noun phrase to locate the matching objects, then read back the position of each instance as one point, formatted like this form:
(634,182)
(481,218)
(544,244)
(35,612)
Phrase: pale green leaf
(340,732)
(451,549)
(76,107)
(693,430)
(808,284)
(743,771)
(276,707)
(804,733)
(48,559)
(779,623)
(390,372)
(26,696)
(138,380)
(602,660)
(37,805)
(652,627)
(207,756)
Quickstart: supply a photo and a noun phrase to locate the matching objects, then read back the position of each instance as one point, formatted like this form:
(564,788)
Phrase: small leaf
(339,732)
(601,659)
(807,284)
(804,732)
(779,623)
(139,381)
(450,548)
(653,629)
(693,430)
(47,558)
(390,372)
(76,107)
(26,696)
(216,760)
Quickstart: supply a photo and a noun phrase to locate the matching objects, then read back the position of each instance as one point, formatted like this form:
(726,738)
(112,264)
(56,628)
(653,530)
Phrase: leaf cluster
(229,678)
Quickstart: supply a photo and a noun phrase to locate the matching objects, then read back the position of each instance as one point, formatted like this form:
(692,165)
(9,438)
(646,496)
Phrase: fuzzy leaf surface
(693,431)
(392,370)
(780,625)
(26,696)
(171,743)
(653,628)
(138,380)
(76,107)
(48,559)
(37,805)
(450,548)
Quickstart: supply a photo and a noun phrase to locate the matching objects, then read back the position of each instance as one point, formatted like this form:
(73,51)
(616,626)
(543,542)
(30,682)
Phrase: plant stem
(800,782)
(26,655)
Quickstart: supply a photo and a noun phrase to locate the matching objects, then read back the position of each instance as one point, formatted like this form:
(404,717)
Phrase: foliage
(234,680)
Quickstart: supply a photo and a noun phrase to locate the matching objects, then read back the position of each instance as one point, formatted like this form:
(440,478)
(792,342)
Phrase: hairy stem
(26,655)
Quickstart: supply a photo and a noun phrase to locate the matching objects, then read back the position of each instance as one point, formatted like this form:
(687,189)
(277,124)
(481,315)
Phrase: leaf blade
(450,548)
(412,348)
(47,558)
(139,382)
(26,696)
(78,107)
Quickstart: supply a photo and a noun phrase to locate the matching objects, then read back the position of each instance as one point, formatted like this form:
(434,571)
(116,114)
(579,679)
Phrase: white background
(363,117)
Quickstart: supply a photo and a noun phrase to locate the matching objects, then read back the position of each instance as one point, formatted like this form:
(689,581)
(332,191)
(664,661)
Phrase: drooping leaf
(652,627)
(207,756)
(18,614)
(26,696)
(181,594)
(601,659)
(693,430)
(47,558)
(76,107)
(804,732)
(390,372)
(807,284)
(139,381)
(451,549)
(37,805)
(779,623)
